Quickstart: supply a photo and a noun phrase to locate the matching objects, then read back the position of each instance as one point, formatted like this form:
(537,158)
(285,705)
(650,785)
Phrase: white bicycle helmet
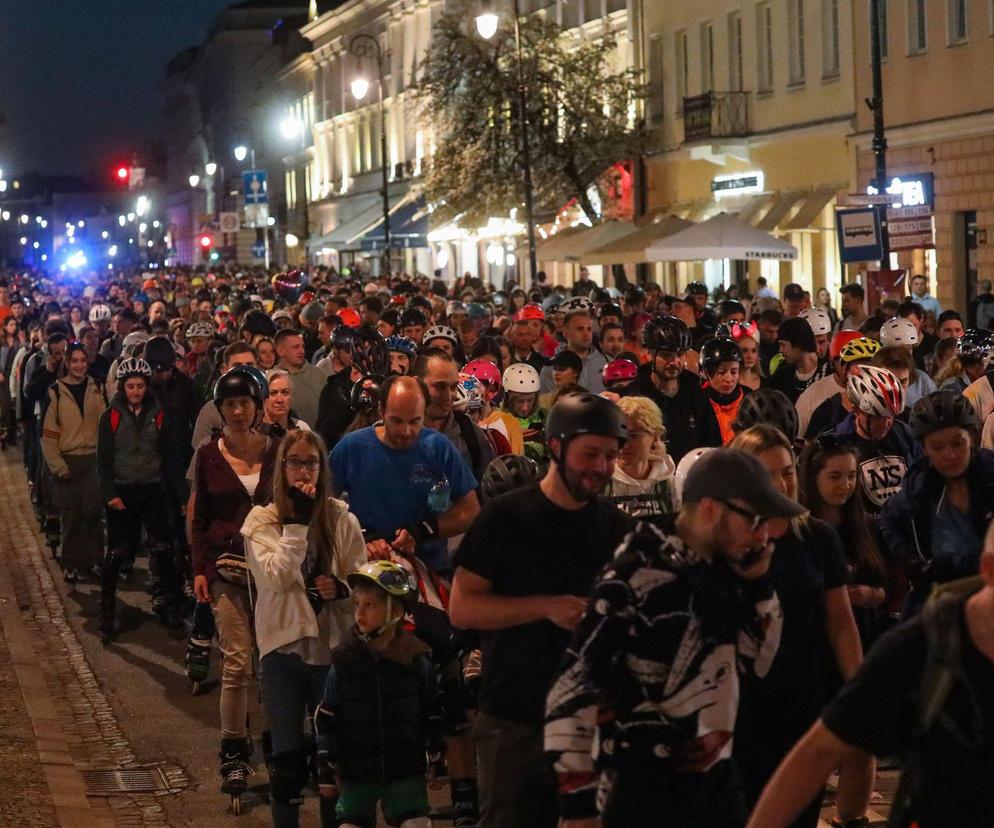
(134,338)
(898,331)
(100,313)
(683,469)
(440,332)
(469,394)
(204,329)
(874,390)
(819,321)
(576,303)
(520,378)
(133,367)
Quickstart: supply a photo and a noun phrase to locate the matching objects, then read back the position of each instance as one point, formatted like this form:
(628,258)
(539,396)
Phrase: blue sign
(859,235)
(259,250)
(254,187)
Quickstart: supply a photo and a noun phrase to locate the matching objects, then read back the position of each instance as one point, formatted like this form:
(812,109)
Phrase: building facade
(939,117)
(751,108)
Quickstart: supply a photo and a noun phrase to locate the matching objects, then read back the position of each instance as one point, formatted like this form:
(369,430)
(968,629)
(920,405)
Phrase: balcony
(715,115)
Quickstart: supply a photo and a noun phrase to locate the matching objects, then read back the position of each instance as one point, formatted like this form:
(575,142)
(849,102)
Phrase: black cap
(797,332)
(568,359)
(729,474)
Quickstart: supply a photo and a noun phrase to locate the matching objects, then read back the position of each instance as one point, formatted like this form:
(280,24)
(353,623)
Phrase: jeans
(516,788)
(291,690)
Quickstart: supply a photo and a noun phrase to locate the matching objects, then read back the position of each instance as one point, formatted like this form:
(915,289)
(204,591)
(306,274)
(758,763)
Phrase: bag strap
(472,440)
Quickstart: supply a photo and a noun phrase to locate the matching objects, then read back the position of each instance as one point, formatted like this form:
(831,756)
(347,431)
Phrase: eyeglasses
(755,520)
(296,464)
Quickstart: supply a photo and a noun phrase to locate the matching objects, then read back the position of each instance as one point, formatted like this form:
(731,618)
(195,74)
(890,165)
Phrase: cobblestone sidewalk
(55,718)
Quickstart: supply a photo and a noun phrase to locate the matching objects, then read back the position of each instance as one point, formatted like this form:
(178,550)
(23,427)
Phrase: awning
(630,248)
(782,205)
(812,207)
(571,245)
(355,217)
(722,237)
(408,226)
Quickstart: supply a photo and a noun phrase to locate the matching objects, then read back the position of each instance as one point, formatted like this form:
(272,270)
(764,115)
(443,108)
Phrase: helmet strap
(385,627)
(561,471)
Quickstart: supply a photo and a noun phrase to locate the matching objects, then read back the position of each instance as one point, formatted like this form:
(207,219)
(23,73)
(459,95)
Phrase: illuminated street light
(194,179)
(291,127)
(36,245)
(156,224)
(210,168)
(131,217)
(44,224)
(241,152)
(23,240)
(112,250)
(122,220)
(142,227)
(25,218)
(292,240)
(81,224)
(104,235)
(5,215)
(142,206)
(486,24)
(359,86)
(44,257)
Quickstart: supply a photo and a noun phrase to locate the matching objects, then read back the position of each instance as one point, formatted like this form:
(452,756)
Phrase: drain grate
(129,780)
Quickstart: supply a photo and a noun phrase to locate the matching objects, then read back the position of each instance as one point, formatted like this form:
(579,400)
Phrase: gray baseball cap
(729,474)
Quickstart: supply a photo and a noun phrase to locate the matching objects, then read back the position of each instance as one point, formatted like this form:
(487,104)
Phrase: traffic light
(121,175)
(206,243)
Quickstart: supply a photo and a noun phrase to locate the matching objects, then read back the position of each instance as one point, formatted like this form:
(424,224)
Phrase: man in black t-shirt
(523,575)
(876,713)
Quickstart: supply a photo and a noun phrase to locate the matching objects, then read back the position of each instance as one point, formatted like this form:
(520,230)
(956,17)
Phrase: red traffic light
(206,241)
(122,173)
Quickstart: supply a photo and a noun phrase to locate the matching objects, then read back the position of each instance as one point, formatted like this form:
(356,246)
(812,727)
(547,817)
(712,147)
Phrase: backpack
(942,617)
(115,420)
(472,440)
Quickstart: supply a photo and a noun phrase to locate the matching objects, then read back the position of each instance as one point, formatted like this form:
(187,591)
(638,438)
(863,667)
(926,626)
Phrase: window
(764,48)
(735,51)
(917,32)
(707,56)
(795,41)
(830,39)
(654,101)
(957,12)
(681,69)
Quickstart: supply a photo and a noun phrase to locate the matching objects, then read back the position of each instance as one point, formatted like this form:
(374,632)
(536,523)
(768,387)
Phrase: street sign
(259,250)
(228,222)
(903,213)
(254,187)
(256,215)
(863,199)
(912,241)
(859,235)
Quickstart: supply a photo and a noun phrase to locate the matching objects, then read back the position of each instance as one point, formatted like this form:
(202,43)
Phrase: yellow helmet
(859,349)
(391,577)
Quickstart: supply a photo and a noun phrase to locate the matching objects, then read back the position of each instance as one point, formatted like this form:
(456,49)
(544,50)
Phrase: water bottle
(439,499)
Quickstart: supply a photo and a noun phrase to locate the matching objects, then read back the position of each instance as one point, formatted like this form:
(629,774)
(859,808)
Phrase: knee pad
(287,777)
(416,822)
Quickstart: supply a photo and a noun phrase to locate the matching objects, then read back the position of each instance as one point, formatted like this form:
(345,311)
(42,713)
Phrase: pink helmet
(487,373)
(619,370)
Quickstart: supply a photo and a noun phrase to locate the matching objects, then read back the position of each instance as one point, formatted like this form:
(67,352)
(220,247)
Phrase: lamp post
(876,105)
(486,25)
(241,152)
(293,127)
(367,46)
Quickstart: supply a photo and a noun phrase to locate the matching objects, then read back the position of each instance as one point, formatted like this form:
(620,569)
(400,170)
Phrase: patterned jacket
(649,685)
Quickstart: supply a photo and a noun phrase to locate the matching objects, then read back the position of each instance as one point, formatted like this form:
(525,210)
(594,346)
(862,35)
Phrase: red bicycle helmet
(350,318)
(619,370)
(530,311)
(487,373)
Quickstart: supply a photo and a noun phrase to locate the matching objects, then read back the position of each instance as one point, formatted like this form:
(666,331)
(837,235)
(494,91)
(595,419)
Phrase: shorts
(403,799)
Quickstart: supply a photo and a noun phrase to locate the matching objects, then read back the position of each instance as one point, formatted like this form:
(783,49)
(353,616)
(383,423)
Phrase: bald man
(407,484)
(877,711)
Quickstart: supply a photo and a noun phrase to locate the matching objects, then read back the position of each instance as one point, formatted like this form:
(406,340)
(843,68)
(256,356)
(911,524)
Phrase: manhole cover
(129,780)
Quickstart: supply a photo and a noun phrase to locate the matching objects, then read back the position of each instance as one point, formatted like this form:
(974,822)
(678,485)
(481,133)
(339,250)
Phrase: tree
(579,116)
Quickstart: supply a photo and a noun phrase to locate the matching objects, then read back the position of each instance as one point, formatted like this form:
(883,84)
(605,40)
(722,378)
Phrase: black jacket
(335,407)
(688,416)
(380,713)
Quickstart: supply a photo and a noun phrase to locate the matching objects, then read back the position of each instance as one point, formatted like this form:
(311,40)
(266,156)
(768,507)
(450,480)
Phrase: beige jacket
(66,430)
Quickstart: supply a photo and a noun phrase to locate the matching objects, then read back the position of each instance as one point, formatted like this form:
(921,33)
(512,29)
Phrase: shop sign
(859,236)
(738,184)
(909,190)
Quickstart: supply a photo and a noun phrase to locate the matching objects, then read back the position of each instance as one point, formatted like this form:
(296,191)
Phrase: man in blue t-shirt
(407,484)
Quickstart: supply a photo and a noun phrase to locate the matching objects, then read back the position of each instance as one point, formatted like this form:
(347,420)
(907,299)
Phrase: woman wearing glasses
(808,572)
(300,549)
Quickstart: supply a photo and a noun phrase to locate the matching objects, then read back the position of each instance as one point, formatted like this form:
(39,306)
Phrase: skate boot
(465,803)
(235,770)
(53,534)
(198,648)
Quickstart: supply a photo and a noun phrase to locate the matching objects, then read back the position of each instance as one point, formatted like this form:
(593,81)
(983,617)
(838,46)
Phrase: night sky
(80,80)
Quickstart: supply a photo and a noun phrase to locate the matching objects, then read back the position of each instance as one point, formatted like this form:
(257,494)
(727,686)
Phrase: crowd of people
(596,556)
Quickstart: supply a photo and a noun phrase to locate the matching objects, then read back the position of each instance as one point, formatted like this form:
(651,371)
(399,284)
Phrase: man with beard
(689,419)
(523,572)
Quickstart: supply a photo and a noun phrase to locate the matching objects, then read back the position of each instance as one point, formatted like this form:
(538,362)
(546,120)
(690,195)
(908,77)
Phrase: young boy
(380,711)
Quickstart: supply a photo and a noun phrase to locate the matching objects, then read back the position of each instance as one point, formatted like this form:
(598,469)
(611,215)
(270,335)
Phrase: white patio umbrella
(721,237)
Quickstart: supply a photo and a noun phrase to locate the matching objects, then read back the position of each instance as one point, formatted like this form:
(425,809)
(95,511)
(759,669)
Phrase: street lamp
(241,153)
(293,128)
(486,25)
(210,168)
(194,180)
(367,46)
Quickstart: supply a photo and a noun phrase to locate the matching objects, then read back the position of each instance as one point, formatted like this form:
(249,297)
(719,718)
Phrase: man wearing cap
(579,332)
(648,692)
(523,574)
(800,366)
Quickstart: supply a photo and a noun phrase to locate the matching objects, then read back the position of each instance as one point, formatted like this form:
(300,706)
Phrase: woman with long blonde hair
(300,548)
(808,571)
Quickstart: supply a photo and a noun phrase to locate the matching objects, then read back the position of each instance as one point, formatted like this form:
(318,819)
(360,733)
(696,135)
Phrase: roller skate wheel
(236,804)
(194,688)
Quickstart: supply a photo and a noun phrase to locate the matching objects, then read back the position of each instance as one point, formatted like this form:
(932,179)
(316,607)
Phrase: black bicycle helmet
(697,289)
(576,414)
(412,317)
(342,337)
(610,309)
(718,350)
(975,343)
(767,407)
(666,333)
(508,473)
(259,323)
(947,408)
(241,381)
(160,354)
(365,396)
(369,351)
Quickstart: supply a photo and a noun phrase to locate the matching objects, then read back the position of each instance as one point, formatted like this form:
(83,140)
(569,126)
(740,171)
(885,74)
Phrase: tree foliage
(578,116)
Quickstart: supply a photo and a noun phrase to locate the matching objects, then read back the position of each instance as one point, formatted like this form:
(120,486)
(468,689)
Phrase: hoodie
(646,498)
